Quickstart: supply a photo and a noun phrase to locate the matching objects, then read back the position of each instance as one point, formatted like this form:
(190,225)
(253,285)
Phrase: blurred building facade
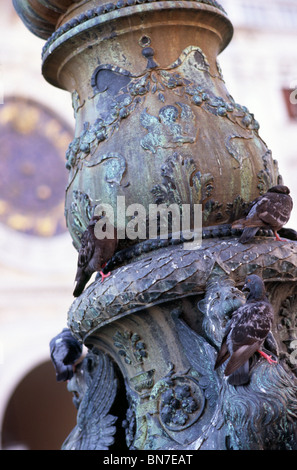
(37,259)
(260,70)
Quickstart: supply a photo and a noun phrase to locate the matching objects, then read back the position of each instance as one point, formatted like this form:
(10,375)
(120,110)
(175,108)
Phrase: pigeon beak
(245,288)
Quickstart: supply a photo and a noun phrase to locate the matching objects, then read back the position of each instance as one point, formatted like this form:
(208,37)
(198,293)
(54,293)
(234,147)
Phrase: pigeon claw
(278,238)
(103,276)
(268,358)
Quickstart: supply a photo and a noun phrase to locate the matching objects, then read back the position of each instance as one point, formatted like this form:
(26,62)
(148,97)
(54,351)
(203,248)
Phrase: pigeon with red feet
(270,211)
(246,332)
(93,255)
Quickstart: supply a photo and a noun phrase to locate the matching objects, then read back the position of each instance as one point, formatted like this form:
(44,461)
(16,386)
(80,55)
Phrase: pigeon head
(279,188)
(254,286)
(94,220)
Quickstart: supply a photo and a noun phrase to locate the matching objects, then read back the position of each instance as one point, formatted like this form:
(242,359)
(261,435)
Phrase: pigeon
(270,211)
(93,255)
(246,332)
(65,350)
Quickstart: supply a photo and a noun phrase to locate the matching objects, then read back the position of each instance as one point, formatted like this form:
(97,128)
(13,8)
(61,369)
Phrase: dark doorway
(40,413)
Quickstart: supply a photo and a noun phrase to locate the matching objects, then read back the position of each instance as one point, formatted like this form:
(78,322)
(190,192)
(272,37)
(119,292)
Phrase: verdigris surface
(162,318)
(155,124)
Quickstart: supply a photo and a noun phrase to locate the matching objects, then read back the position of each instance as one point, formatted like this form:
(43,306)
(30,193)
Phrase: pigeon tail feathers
(248,234)
(241,376)
(81,281)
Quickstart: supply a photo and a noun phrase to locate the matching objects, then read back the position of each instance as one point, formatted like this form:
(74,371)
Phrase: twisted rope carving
(173,273)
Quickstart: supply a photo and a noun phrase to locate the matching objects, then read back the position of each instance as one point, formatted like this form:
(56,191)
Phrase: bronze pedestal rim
(110,21)
(43,17)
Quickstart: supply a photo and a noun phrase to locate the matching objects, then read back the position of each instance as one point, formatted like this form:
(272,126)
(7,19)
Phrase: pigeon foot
(268,358)
(278,238)
(103,276)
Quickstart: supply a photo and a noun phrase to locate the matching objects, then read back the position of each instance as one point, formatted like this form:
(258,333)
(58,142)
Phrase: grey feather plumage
(93,254)
(270,211)
(246,332)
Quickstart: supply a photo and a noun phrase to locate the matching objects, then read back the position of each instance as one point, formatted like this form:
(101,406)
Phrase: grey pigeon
(93,255)
(270,211)
(246,332)
(65,350)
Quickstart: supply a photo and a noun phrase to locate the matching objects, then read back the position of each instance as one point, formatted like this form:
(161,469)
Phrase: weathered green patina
(156,124)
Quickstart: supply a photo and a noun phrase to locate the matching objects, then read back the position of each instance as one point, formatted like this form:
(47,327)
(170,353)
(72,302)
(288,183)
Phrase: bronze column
(155,124)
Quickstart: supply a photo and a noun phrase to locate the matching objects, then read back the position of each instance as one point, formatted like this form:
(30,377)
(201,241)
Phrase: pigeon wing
(275,209)
(241,356)
(84,265)
(256,216)
(254,219)
(86,250)
(248,334)
(223,353)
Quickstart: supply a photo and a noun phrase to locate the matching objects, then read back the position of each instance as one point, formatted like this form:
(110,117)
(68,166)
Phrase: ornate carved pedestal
(161,320)
(156,124)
